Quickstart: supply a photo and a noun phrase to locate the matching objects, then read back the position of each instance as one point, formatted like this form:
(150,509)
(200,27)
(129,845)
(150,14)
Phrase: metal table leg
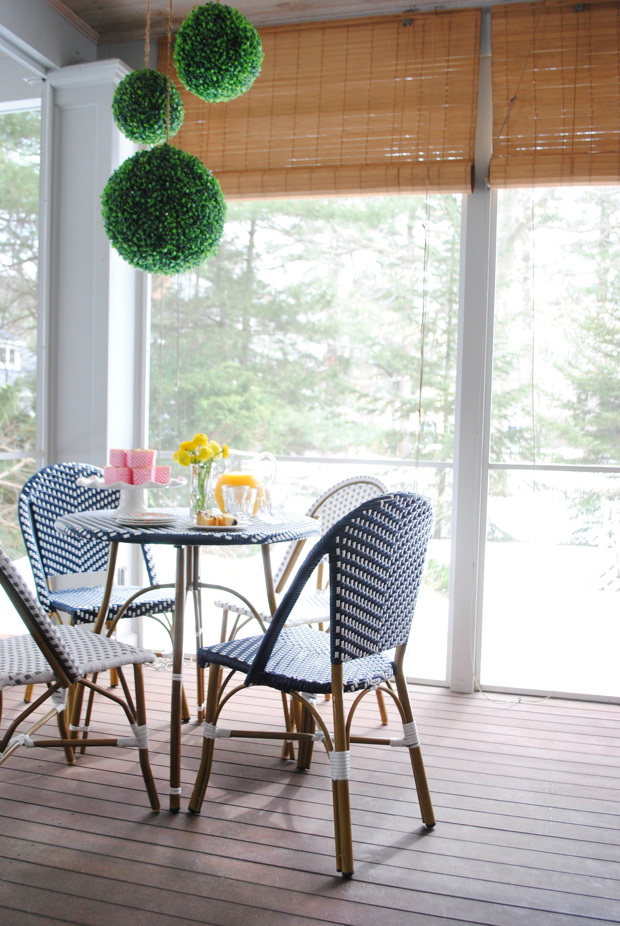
(177,684)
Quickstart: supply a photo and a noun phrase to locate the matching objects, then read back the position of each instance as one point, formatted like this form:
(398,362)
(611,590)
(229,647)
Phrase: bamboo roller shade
(379,105)
(564,126)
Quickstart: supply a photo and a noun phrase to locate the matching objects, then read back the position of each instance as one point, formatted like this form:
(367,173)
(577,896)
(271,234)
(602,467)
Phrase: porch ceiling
(123,20)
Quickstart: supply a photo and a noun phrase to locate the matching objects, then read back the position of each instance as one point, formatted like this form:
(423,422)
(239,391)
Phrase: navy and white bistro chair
(61,656)
(48,495)
(376,558)
(313,605)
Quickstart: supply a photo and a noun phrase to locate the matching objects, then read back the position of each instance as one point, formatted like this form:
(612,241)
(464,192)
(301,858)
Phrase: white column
(93,304)
(473,396)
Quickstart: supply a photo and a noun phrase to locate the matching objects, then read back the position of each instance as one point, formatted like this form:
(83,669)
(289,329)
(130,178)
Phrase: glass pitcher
(243,467)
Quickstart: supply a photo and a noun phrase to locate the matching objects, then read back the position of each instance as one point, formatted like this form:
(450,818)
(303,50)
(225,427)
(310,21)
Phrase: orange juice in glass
(249,469)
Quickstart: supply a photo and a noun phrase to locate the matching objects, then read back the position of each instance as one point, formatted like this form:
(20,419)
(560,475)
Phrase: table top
(101,524)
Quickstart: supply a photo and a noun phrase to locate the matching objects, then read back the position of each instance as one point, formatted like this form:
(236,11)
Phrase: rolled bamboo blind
(564,126)
(379,105)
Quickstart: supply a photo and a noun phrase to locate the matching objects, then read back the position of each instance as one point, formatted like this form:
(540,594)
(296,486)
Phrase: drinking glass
(274,501)
(240,501)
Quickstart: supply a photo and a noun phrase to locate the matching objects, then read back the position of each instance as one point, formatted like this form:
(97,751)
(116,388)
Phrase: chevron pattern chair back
(49,494)
(329,507)
(46,635)
(376,559)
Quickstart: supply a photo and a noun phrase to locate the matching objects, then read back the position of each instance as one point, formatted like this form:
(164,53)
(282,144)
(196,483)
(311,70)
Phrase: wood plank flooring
(527,798)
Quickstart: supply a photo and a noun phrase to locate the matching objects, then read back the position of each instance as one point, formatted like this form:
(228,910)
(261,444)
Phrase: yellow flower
(225,450)
(204,453)
(200,439)
(214,447)
(175,456)
(186,445)
(184,459)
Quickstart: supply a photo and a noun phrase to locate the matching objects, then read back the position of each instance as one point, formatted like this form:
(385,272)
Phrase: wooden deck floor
(527,798)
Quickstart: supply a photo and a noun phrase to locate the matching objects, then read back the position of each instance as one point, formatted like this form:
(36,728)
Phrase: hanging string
(572,134)
(196,277)
(427,218)
(168,69)
(533,321)
(161,362)
(147,44)
(513,99)
(177,378)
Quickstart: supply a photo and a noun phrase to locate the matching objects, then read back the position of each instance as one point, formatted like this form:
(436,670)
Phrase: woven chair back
(46,636)
(376,559)
(48,495)
(334,504)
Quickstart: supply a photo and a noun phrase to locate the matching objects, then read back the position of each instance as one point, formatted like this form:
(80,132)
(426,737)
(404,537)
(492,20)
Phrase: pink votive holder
(112,474)
(118,458)
(162,475)
(138,459)
(142,474)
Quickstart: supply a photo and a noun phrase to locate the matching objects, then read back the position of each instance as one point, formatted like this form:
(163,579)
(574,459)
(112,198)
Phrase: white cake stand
(133,498)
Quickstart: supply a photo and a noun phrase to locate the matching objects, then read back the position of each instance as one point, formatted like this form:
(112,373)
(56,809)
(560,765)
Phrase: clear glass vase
(201,487)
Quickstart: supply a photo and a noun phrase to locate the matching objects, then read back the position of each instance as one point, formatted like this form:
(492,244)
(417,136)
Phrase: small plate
(154,519)
(216,527)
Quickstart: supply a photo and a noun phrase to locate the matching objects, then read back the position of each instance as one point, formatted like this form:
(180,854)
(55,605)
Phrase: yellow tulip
(184,459)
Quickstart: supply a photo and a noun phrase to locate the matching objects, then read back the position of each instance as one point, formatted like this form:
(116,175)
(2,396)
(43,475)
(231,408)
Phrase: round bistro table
(103,526)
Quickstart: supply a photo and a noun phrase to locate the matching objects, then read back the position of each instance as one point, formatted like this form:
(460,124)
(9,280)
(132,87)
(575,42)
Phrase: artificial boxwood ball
(218,53)
(140,107)
(163,211)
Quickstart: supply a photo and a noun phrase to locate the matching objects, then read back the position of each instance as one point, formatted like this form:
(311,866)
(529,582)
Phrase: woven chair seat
(23,663)
(312,608)
(300,661)
(83,603)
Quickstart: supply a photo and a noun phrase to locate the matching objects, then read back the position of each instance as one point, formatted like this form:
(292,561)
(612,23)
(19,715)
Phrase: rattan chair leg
(185,714)
(382,710)
(343,806)
(288,750)
(89,712)
(28,693)
(336,812)
(304,750)
(145,763)
(113,678)
(200,693)
(64,735)
(206,760)
(76,711)
(415,753)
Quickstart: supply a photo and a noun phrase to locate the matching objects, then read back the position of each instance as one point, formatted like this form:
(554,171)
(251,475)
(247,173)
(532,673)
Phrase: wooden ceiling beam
(74,19)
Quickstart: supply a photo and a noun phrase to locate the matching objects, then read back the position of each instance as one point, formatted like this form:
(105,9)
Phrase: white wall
(41,32)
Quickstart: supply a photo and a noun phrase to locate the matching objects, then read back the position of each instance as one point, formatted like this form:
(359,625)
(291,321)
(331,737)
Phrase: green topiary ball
(218,53)
(163,211)
(140,104)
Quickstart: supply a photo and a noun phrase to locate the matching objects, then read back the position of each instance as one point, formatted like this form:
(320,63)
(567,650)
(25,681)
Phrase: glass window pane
(304,336)
(551,567)
(552,583)
(19,201)
(556,376)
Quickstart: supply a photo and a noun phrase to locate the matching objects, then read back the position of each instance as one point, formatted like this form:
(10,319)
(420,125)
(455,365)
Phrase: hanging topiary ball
(163,211)
(140,107)
(218,53)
